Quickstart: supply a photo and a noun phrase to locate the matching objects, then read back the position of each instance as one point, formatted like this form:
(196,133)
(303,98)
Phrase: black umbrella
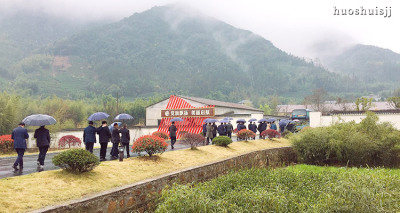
(98,116)
(39,120)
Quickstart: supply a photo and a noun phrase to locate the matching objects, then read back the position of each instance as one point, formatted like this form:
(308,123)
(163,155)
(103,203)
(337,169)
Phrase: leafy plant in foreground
(76,160)
(150,144)
(192,139)
(222,141)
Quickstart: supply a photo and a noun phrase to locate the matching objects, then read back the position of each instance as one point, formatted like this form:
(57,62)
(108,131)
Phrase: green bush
(222,140)
(76,160)
(287,134)
(294,189)
(368,143)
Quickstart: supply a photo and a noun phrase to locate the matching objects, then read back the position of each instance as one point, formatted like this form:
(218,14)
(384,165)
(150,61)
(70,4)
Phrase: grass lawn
(299,188)
(37,190)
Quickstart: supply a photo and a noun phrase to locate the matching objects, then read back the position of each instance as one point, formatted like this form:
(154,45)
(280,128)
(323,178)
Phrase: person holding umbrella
(229,129)
(204,129)
(89,137)
(19,135)
(172,134)
(125,138)
(214,130)
(42,136)
(115,139)
(261,127)
(253,127)
(104,137)
(209,133)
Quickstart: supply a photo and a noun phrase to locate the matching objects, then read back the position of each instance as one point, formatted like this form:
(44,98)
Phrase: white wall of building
(153,113)
(317,120)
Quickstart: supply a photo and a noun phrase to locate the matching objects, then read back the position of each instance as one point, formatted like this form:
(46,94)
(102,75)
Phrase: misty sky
(295,26)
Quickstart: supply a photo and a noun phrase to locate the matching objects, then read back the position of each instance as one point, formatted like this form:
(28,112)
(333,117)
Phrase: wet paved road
(30,161)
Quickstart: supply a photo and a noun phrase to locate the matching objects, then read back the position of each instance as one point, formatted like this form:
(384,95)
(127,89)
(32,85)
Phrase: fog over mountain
(296,27)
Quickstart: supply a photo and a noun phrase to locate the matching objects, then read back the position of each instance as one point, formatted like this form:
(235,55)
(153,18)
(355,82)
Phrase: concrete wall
(142,196)
(317,119)
(135,133)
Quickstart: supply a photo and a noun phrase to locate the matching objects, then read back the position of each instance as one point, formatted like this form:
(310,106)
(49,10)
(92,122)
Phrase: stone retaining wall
(141,196)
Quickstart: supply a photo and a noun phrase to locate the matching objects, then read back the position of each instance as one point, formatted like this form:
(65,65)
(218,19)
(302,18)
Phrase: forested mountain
(165,50)
(368,63)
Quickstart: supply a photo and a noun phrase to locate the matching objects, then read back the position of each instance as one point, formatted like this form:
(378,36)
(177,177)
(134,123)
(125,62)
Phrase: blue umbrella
(112,125)
(241,121)
(176,119)
(252,119)
(224,121)
(283,122)
(39,120)
(123,116)
(262,120)
(271,120)
(228,118)
(211,120)
(98,116)
(206,120)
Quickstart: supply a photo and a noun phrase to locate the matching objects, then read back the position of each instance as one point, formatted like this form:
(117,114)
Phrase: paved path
(30,161)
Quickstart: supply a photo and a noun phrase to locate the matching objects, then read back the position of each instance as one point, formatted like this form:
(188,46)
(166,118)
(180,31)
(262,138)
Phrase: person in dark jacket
(115,139)
(19,135)
(253,128)
(104,137)
(221,130)
(42,136)
(172,134)
(89,137)
(214,131)
(240,126)
(204,129)
(125,138)
(229,129)
(261,127)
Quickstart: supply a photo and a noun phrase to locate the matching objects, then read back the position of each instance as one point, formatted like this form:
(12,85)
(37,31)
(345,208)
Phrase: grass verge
(37,190)
(299,188)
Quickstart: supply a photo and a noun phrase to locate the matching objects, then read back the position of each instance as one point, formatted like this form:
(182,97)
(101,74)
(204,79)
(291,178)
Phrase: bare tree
(316,100)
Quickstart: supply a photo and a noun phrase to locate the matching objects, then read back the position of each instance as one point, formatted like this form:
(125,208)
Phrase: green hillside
(370,64)
(155,52)
(159,51)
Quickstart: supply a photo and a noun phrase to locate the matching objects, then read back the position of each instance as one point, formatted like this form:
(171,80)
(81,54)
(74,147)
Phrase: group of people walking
(42,135)
(20,134)
(116,136)
(210,130)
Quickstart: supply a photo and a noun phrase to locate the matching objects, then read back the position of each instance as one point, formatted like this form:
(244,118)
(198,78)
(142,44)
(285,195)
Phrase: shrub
(367,143)
(150,144)
(245,134)
(287,134)
(76,160)
(69,140)
(222,140)
(193,140)
(6,144)
(161,135)
(270,133)
(293,189)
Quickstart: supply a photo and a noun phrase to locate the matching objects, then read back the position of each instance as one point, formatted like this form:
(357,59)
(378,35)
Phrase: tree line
(69,114)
